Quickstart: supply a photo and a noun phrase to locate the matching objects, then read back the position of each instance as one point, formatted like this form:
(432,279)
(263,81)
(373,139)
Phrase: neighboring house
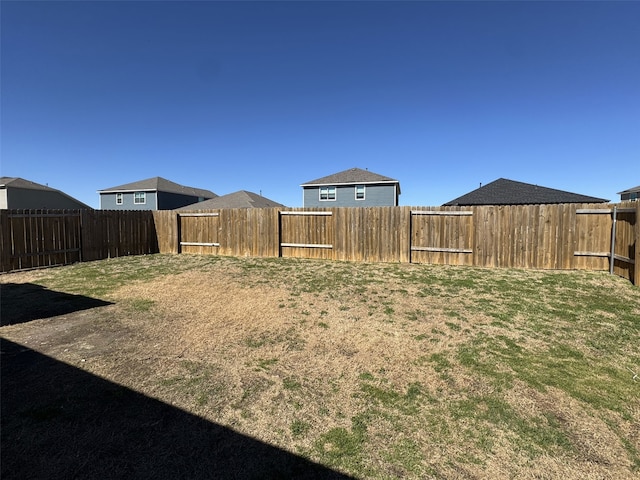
(17,192)
(630,195)
(151,194)
(351,188)
(509,192)
(239,199)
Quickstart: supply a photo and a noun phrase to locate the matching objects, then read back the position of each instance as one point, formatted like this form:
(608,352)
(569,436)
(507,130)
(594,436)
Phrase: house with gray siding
(155,193)
(351,188)
(630,195)
(16,192)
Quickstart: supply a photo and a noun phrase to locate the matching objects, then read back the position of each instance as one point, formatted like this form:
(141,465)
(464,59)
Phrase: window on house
(359,192)
(139,197)
(327,193)
(118,199)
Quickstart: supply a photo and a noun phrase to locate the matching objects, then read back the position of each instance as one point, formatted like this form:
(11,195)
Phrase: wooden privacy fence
(42,238)
(34,238)
(622,253)
(562,237)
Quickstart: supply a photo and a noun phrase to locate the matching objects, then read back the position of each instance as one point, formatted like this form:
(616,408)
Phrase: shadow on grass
(59,422)
(24,302)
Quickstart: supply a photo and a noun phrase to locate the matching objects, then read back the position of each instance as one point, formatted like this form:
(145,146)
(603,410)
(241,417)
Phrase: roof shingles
(350,176)
(161,185)
(239,199)
(509,192)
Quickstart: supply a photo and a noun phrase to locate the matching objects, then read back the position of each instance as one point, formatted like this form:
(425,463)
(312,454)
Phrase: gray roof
(17,182)
(630,190)
(159,184)
(239,199)
(350,177)
(509,192)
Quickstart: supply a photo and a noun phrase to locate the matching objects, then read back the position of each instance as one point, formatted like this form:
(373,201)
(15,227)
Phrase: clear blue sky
(265,96)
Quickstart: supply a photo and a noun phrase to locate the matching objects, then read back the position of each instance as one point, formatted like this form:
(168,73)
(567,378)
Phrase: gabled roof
(17,182)
(352,176)
(509,192)
(239,199)
(630,190)
(159,184)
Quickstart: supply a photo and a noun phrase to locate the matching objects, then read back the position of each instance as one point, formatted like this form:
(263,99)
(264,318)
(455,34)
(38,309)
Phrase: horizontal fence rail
(567,236)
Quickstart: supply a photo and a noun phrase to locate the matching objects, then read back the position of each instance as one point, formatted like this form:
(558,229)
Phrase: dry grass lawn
(373,370)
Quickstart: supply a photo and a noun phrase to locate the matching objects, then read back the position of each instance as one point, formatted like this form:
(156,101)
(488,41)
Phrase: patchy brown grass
(379,371)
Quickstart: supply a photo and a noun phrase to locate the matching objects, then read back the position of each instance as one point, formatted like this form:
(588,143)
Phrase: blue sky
(264,96)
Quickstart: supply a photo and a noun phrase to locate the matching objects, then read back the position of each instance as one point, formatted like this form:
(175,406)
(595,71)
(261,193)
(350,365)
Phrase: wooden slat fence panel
(39,238)
(307,233)
(442,235)
(166,228)
(373,234)
(247,232)
(116,233)
(199,232)
(5,241)
(636,243)
(593,237)
(231,232)
(624,263)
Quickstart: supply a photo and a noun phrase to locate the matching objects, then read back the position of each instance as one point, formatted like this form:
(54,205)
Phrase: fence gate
(443,237)
(306,234)
(606,237)
(40,238)
(198,232)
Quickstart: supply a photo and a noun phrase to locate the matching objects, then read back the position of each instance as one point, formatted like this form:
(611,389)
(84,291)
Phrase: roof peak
(352,175)
(512,192)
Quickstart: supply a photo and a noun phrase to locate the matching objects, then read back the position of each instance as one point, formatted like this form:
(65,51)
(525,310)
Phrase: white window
(118,199)
(327,193)
(359,192)
(139,197)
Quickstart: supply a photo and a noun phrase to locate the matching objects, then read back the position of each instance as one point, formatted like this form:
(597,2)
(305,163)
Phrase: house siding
(629,197)
(154,201)
(171,201)
(38,199)
(375,196)
(108,201)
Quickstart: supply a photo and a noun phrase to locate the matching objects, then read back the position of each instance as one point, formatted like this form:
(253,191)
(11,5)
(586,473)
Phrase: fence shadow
(59,422)
(24,302)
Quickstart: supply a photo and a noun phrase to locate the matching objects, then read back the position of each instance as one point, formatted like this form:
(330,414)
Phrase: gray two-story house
(151,194)
(351,188)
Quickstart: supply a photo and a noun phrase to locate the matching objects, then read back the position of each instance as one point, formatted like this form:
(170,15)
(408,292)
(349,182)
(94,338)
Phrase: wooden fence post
(5,239)
(636,266)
